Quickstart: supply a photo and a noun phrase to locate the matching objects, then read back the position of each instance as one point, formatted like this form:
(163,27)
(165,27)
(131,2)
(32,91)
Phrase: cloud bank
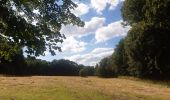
(92,57)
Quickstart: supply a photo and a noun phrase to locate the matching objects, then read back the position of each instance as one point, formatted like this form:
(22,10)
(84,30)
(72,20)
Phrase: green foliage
(86,71)
(132,11)
(144,52)
(14,66)
(155,12)
(105,69)
(21,66)
(64,67)
(147,42)
(8,50)
(20,25)
(90,70)
(83,72)
(119,59)
(147,50)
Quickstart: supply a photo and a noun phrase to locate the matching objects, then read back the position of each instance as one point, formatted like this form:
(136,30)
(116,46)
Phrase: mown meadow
(78,88)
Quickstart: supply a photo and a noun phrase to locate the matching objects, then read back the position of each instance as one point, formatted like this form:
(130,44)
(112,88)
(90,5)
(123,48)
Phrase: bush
(83,73)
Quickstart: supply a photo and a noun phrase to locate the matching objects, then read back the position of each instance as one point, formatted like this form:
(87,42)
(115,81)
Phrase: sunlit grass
(77,88)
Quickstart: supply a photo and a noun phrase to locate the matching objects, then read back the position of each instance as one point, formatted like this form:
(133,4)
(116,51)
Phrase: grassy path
(77,88)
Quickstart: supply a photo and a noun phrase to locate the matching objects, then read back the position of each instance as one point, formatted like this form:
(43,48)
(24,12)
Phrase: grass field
(77,88)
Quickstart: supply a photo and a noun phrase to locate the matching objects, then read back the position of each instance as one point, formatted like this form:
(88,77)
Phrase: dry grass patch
(78,88)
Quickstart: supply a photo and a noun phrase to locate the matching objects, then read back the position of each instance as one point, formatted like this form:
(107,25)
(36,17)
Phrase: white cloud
(82,9)
(90,27)
(113,4)
(100,5)
(111,30)
(70,30)
(91,58)
(72,45)
(94,24)
(99,50)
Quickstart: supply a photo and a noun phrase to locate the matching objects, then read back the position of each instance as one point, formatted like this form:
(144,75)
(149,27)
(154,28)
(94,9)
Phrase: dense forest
(21,66)
(143,53)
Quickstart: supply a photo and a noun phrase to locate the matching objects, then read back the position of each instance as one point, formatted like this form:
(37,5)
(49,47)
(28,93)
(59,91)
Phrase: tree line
(21,66)
(144,52)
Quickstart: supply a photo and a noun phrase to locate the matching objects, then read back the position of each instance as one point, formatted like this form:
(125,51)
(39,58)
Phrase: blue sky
(97,39)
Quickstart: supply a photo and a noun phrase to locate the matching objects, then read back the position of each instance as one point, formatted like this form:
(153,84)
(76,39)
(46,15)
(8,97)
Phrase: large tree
(155,12)
(147,43)
(119,59)
(132,11)
(34,24)
(105,68)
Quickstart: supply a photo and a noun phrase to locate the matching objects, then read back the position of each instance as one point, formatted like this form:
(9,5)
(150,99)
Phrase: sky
(97,39)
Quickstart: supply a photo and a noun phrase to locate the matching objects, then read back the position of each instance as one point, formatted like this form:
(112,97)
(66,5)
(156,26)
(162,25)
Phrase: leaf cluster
(36,24)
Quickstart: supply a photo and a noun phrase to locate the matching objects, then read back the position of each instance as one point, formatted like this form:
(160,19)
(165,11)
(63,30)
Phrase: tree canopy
(119,59)
(144,52)
(105,68)
(34,24)
(155,12)
(147,42)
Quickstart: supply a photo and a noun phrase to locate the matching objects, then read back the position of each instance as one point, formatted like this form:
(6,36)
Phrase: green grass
(77,88)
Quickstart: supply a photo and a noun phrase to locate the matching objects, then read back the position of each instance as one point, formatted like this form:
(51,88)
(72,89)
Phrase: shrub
(83,73)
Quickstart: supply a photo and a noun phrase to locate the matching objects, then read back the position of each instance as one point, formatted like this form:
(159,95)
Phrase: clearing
(77,88)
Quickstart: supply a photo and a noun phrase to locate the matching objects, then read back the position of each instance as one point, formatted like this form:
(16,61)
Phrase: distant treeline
(20,66)
(145,51)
